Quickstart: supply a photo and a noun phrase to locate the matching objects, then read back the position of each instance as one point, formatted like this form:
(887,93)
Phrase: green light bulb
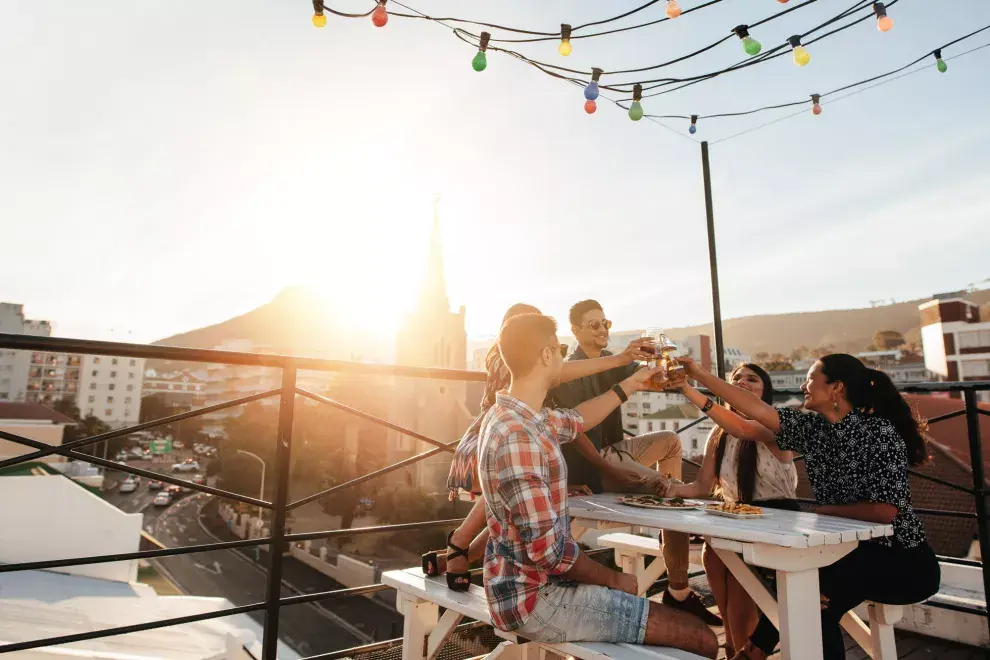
(941,65)
(480,61)
(636,111)
(751,46)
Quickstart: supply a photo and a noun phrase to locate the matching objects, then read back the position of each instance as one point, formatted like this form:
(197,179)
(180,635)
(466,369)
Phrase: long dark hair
(515,310)
(872,391)
(746,470)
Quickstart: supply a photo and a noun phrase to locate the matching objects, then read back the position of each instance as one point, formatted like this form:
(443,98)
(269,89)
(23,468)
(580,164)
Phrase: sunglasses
(594,325)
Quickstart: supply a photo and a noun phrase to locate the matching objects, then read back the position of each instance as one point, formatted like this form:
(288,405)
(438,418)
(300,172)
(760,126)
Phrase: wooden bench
(877,638)
(424,631)
(631,551)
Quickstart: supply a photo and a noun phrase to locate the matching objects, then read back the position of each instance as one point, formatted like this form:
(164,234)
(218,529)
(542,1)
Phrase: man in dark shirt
(639,453)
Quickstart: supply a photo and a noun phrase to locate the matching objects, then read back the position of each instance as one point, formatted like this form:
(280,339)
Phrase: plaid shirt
(524,480)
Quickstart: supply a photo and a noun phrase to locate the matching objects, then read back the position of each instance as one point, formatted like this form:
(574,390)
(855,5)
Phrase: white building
(110,389)
(956,340)
(646,403)
(674,418)
(35,422)
(15,365)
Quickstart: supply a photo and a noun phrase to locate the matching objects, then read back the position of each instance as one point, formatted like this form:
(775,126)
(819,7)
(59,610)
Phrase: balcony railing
(280,505)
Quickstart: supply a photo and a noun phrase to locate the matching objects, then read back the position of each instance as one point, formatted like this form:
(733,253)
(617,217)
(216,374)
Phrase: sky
(168,166)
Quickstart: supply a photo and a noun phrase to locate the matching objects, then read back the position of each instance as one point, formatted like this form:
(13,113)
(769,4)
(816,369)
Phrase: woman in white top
(744,471)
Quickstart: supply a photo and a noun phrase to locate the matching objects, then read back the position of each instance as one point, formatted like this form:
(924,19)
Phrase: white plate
(690,505)
(737,516)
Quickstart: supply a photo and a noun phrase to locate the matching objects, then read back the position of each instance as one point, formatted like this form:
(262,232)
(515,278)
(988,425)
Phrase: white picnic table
(795,544)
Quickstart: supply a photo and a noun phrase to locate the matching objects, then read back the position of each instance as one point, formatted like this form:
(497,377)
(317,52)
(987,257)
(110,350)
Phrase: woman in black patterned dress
(858,441)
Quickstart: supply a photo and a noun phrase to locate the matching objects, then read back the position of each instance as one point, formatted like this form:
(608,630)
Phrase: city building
(110,389)
(431,336)
(673,418)
(645,403)
(15,365)
(33,421)
(182,390)
(956,339)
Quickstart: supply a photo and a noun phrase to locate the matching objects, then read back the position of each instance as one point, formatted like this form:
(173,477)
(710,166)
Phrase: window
(108,412)
(127,400)
(92,386)
(133,363)
(127,414)
(975,368)
(646,406)
(96,360)
(92,399)
(974,339)
(663,426)
(694,443)
(113,374)
(95,373)
(130,375)
(112,387)
(109,399)
(114,362)
(89,412)
(649,427)
(130,388)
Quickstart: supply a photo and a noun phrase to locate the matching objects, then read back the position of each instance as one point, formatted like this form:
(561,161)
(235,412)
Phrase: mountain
(849,330)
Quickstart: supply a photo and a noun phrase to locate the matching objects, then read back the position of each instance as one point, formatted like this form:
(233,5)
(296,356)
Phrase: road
(309,628)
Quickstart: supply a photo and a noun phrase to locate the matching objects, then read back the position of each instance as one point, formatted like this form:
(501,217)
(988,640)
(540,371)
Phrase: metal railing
(280,504)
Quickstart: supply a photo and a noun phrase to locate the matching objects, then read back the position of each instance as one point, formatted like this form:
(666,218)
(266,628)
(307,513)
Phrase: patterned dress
(464,467)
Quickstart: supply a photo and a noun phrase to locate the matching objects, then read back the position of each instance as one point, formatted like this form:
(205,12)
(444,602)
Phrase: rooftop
(34,412)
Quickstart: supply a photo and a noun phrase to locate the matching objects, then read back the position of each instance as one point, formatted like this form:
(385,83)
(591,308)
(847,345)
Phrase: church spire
(433,296)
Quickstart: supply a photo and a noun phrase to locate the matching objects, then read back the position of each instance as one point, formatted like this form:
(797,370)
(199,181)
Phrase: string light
(783,2)
(565,47)
(693,128)
(816,108)
(750,45)
(673,9)
(590,106)
(801,55)
(480,61)
(939,62)
(319,19)
(380,16)
(884,22)
(636,109)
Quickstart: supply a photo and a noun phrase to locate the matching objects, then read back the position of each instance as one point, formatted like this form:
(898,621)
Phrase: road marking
(215,570)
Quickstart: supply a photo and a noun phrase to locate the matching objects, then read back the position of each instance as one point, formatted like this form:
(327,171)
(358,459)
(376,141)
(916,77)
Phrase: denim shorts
(572,612)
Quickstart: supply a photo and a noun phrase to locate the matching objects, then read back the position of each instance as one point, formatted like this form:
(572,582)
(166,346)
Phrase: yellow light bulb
(319,20)
(565,48)
(801,56)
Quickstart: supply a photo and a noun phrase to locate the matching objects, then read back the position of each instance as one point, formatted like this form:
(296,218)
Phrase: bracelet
(621,393)
(708,406)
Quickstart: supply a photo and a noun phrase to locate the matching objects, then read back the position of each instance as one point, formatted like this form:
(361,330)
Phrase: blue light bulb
(693,129)
(591,91)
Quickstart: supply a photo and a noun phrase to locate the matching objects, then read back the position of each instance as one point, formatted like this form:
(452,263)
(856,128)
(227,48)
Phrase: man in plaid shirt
(539,583)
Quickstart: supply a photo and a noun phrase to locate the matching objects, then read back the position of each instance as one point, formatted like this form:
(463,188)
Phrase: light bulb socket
(483,44)
(794,41)
(879,9)
(637,92)
(694,120)
(742,31)
(937,53)
(318,7)
(815,98)
(596,73)
(565,32)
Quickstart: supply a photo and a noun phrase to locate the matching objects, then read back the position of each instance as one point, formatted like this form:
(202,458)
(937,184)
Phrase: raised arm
(574,369)
(594,411)
(743,401)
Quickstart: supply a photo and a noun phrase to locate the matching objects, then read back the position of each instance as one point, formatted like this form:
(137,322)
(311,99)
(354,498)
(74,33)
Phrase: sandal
(431,564)
(457,581)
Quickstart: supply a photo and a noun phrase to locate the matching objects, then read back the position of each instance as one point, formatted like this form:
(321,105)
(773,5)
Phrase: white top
(775,480)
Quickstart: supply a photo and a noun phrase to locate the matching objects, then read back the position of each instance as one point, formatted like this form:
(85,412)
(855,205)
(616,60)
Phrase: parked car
(154,484)
(128,486)
(163,498)
(186,466)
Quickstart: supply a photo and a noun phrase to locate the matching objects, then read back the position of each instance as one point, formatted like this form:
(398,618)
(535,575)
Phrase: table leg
(421,618)
(799,606)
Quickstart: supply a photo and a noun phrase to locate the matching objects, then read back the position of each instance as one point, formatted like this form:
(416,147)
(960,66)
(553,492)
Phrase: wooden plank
(882,632)
(858,631)
(641,544)
(442,632)
(751,584)
(800,618)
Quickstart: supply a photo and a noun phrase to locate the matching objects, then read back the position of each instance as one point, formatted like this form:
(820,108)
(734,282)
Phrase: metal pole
(713,263)
(261,495)
(980,491)
(282,449)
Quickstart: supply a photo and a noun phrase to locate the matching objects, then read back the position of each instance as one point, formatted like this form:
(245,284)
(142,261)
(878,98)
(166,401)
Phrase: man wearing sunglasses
(640,453)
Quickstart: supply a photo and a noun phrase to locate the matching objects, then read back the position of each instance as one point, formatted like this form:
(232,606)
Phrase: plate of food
(738,511)
(657,502)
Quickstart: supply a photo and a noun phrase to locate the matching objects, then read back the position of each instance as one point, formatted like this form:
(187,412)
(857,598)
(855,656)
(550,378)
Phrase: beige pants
(640,454)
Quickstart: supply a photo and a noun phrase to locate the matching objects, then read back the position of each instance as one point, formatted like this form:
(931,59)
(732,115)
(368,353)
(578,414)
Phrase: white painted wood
(800,617)
(420,619)
(744,575)
(882,631)
(795,559)
(442,632)
(859,631)
(504,651)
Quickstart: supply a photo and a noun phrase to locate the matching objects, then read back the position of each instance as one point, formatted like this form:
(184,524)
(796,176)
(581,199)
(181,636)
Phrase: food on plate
(657,502)
(738,509)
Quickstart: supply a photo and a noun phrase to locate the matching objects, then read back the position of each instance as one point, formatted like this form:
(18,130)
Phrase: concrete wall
(51,517)
(50,434)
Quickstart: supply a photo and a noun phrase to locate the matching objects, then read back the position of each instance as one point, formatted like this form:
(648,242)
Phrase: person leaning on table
(858,441)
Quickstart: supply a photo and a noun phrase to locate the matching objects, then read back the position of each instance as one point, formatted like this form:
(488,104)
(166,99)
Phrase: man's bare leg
(678,629)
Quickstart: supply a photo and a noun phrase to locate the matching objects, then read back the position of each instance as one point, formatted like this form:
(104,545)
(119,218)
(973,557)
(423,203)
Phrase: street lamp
(261,496)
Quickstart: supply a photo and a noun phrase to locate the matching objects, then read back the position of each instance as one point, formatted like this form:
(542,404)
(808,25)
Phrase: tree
(154,407)
(86,427)
(402,504)
(885,340)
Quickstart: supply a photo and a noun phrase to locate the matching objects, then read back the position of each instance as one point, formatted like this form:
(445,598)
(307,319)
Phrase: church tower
(431,336)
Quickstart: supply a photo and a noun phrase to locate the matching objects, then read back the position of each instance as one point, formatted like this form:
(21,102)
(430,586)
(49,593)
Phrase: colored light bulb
(751,46)
(783,2)
(673,9)
(816,109)
(380,16)
(480,61)
(801,56)
(590,106)
(693,129)
(591,91)
(884,23)
(319,20)
(636,111)
(565,47)
(941,65)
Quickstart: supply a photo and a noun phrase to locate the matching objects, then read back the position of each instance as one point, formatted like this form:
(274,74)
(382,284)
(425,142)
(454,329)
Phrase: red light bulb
(590,107)
(380,16)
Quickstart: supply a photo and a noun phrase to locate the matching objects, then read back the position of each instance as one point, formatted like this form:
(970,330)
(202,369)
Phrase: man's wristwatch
(709,404)
(621,393)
